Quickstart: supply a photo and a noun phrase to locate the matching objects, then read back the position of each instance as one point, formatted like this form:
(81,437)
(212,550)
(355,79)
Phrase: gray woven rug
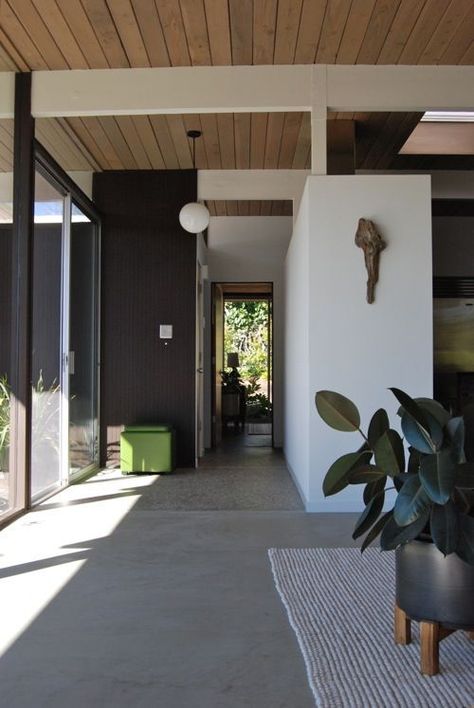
(340,605)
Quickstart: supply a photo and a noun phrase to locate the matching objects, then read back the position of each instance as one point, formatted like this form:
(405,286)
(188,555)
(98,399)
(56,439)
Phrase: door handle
(200,370)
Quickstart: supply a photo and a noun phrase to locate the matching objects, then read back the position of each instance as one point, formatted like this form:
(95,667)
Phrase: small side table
(431,634)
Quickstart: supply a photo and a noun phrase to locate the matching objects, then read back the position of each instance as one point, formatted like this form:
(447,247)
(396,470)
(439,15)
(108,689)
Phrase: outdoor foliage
(435,485)
(246,332)
(4,418)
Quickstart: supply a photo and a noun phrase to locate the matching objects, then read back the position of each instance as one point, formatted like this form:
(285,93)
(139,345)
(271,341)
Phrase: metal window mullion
(65,321)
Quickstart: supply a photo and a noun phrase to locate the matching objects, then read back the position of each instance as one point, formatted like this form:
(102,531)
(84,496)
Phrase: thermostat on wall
(166,331)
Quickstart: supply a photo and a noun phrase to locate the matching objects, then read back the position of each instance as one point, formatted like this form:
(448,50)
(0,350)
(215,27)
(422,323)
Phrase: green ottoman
(147,448)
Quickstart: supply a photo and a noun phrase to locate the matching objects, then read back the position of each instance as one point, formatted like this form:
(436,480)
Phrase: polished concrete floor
(244,474)
(109,601)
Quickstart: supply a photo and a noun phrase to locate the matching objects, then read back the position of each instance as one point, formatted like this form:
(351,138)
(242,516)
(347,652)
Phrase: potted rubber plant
(431,523)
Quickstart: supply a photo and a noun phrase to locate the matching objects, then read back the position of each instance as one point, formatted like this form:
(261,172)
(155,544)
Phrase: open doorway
(242,362)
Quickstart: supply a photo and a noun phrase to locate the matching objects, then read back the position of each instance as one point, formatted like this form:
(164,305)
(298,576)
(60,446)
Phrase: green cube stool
(147,448)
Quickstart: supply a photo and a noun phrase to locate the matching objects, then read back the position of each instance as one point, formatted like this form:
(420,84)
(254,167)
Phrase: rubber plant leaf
(414,459)
(389,453)
(411,407)
(338,475)
(378,425)
(369,516)
(465,546)
(366,474)
(416,436)
(373,488)
(337,411)
(394,535)
(412,502)
(444,527)
(435,409)
(375,530)
(437,475)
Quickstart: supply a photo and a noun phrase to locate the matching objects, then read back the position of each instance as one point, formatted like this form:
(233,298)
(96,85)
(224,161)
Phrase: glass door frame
(95,219)
(50,170)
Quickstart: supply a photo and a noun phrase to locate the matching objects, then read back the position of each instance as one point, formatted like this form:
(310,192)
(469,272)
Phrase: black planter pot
(432,587)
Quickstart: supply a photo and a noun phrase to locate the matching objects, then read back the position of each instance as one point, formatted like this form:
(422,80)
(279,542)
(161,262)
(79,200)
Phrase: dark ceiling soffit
(452,207)
(453,287)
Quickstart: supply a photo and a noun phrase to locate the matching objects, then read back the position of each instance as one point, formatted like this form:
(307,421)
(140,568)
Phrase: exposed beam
(252,185)
(236,89)
(319,115)
(400,88)
(219,89)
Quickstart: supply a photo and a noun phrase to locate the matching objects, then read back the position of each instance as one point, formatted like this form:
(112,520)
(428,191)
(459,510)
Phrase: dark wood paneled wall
(148,279)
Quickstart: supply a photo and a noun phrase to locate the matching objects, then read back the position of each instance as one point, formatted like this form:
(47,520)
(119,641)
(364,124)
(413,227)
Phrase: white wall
(453,245)
(355,348)
(253,249)
(296,351)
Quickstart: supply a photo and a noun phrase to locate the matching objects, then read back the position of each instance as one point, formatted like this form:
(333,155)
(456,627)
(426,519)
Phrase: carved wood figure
(368,238)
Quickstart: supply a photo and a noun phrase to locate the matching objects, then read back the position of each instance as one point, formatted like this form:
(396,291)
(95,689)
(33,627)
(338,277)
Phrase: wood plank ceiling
(97,34)
(100,34)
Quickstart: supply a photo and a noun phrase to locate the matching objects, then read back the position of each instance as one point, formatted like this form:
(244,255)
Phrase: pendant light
(194,217)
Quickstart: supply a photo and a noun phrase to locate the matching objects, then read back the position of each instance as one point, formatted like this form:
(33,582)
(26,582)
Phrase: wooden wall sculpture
(368,238)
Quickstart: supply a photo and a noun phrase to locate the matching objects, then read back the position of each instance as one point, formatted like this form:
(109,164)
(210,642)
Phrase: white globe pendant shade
(194,217)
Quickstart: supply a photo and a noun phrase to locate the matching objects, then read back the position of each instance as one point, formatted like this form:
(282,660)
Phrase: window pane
(7,484)
(83,439)
(46,354)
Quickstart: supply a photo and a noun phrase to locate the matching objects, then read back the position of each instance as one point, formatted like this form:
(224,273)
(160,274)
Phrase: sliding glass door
(82,358)
(47,471)
(64,437)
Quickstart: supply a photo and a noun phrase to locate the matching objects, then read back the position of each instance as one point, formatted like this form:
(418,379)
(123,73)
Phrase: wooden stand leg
(402,626)
(429,638)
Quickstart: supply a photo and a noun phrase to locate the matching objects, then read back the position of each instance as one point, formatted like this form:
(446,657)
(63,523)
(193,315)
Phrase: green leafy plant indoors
(434,483)
(4,413)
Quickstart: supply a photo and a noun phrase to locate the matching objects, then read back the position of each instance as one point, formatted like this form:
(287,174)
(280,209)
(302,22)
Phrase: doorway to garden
(242,363)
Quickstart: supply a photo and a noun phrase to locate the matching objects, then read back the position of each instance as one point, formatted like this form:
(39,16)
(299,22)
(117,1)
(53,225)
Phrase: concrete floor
(108,601)
(239,475)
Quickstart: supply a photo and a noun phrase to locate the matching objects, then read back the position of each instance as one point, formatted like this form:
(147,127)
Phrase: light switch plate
(166,331)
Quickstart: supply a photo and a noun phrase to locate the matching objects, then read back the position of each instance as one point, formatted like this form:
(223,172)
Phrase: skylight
(449,116)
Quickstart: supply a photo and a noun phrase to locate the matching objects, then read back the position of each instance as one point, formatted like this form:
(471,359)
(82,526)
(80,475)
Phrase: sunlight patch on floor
(51,544)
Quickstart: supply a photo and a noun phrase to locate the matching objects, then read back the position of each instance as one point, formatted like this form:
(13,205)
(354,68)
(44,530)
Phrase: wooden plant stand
(431,634)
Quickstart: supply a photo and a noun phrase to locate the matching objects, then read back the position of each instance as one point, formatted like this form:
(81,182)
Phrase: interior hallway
(109,600)
(244,473)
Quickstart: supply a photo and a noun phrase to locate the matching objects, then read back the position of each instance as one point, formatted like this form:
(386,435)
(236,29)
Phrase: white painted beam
(319,115)
(400,88)
(218,89)
(221,89)
(252,185)
(7,94)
